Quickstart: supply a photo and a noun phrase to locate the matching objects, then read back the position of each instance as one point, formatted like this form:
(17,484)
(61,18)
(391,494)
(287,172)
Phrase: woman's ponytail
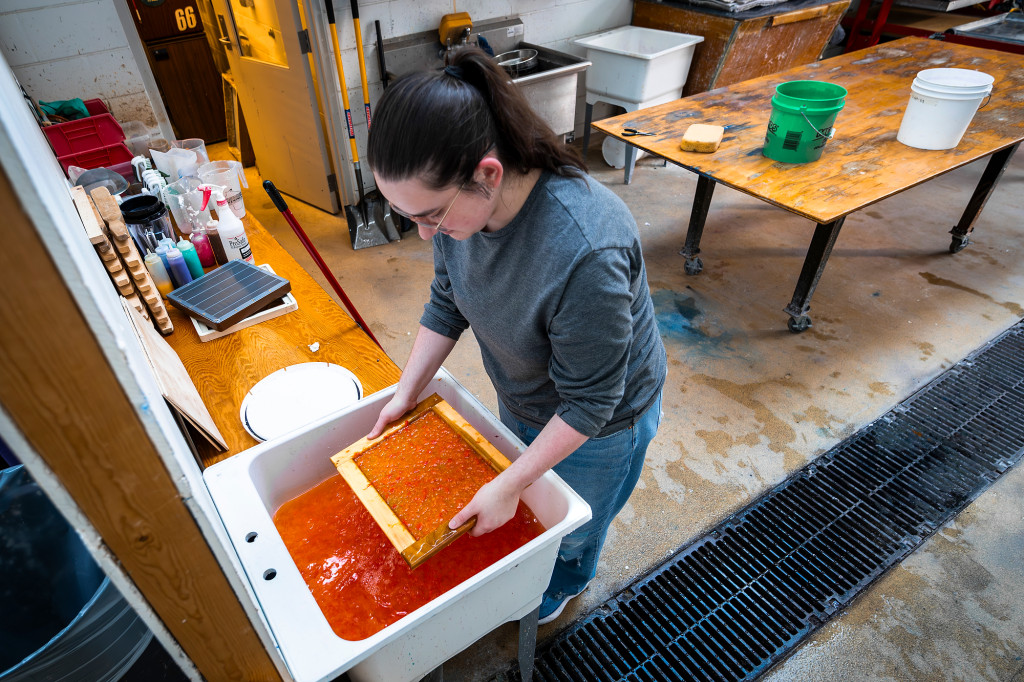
(439,124)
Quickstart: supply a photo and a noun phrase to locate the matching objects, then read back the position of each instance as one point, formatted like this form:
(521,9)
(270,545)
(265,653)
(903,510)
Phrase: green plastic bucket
(801,121)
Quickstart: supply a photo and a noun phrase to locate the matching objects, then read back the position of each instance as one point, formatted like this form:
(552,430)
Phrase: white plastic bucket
(226,174)
(937,118)
(614,152)
(958,79)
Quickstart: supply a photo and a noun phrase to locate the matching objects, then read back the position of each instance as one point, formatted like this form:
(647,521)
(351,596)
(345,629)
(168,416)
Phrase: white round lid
(295,396)
(956,78)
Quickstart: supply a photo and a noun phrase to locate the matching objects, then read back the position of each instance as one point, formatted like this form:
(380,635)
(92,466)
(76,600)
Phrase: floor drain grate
(738,600)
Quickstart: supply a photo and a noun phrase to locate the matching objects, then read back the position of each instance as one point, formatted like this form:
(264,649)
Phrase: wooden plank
(863,163)
(398,535)
(225,369)
(90,217)
(481,445)
(175,383)
(763,46)
(61,393)
(111,213)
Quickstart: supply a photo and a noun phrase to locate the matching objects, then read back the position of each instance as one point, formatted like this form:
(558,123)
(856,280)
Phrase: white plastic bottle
(231,231)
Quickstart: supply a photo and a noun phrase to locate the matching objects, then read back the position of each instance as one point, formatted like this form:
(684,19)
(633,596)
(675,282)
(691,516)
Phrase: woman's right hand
(395,408)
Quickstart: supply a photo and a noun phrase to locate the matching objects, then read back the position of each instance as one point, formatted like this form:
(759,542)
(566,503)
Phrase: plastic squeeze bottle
(179,269)
(159,274)
(195,268)
(201,241)
(232,232)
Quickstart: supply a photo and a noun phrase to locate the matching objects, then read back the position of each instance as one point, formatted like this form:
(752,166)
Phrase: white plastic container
(638,64)
(249,488)
(941,107)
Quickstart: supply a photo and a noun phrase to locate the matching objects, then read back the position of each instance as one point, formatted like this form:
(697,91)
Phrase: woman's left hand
(493,506)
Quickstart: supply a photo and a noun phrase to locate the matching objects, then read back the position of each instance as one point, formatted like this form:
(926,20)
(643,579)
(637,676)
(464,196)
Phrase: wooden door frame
(82,411)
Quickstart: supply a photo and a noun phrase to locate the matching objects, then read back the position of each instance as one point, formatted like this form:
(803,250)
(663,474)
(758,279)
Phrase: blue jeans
(603,471)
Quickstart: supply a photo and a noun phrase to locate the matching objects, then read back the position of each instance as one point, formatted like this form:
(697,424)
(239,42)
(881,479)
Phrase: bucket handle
(819,133)
(987,100)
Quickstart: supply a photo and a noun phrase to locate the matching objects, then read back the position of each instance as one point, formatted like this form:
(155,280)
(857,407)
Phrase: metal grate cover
(739,599)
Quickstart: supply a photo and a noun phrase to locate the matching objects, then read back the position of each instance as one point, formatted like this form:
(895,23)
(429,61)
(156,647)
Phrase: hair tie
(454,71)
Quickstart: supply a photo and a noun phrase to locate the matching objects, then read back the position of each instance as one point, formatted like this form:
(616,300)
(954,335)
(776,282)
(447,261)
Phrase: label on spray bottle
(240,244)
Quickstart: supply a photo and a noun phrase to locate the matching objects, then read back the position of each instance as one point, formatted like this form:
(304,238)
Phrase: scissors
(631,132)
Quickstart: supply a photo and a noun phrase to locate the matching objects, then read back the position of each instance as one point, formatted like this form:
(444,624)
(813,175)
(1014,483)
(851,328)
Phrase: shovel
(364,226)
(376,203)
(404,223)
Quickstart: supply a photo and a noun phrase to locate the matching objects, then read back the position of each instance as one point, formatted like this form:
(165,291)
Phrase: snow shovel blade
(387,218)
(363,228)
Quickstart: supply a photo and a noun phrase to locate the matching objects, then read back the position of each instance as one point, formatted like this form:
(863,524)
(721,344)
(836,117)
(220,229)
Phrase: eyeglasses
(427,220)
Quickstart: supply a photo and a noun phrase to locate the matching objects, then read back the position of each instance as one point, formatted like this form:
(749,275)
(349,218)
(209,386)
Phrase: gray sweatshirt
(559,302)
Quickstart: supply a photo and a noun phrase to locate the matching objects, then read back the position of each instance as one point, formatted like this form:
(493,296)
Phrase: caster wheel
(693,266)
(799,324)
(958,243)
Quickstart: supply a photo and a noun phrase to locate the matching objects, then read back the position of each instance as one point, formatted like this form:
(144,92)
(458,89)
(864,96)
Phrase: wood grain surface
(62,394)
(863,163)
(225,369)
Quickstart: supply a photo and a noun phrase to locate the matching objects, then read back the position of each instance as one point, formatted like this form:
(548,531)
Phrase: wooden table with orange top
(861,165)
(225,369)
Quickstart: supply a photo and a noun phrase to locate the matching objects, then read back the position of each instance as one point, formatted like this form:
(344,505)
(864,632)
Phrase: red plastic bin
(95,107)
(84,134)
(116,155)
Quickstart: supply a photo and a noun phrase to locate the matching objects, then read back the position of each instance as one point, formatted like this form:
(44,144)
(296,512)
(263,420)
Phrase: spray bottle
(230,228)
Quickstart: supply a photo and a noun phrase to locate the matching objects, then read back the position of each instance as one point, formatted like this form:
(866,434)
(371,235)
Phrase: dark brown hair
(437,125)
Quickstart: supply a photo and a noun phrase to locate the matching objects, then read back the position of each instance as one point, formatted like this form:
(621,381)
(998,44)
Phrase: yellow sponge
(700,137)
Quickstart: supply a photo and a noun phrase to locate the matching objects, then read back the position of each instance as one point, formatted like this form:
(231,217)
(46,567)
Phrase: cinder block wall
(550,23)
(62,49)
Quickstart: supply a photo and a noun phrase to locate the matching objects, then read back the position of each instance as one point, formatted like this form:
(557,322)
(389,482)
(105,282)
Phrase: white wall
(549,23)
(61,49)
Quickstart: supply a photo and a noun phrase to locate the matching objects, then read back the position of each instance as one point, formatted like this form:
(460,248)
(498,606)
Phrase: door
(190,85)
(275,90)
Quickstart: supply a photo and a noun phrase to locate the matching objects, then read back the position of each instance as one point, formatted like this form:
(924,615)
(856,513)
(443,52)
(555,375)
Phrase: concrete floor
(747,402)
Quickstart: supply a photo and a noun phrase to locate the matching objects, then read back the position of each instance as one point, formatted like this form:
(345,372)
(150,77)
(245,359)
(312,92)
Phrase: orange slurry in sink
(425,472)
(361,583)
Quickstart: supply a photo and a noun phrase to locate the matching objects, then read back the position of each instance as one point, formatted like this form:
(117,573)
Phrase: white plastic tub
(638,64)
(249,488)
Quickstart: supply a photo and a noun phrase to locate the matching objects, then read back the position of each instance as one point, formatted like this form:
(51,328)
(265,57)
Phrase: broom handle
(278,200)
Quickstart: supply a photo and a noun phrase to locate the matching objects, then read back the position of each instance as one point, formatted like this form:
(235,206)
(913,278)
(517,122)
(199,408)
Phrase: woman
(544,263)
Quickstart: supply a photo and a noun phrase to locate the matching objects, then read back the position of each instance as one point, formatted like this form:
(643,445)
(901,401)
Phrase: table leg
(698,215)
(825,235)
(586,129)
(630,163)
(997,163)
(527,643)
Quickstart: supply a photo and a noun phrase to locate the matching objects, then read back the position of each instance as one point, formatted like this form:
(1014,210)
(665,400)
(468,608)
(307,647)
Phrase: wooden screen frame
(414,551)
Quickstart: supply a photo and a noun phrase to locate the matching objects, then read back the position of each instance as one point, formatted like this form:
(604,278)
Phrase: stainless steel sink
(551,88)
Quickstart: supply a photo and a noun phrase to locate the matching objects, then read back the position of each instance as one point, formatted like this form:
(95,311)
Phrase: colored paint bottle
(201,241)
(195,268)
(179,270)
(213,232)
(161,251)
(159,274)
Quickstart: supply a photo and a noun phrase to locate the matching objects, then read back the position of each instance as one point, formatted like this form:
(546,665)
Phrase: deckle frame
(415,552)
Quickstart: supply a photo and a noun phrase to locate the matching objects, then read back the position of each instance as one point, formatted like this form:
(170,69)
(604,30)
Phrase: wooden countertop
(863,163)
(225,369)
